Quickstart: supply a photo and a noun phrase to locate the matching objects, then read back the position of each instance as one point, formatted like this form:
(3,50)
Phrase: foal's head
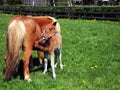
(48,31)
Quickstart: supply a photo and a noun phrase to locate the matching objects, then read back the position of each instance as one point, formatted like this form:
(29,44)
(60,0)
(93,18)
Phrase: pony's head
(48,31)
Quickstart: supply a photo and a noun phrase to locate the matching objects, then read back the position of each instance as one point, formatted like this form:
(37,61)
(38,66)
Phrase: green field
(90,54)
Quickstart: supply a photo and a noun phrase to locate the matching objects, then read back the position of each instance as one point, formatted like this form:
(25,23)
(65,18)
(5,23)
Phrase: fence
(83,12)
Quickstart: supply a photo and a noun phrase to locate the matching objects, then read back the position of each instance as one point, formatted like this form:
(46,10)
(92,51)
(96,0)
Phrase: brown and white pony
(51,45)
(22,34)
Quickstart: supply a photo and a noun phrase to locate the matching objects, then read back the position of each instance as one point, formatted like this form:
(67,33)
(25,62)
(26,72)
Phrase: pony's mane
(52,18)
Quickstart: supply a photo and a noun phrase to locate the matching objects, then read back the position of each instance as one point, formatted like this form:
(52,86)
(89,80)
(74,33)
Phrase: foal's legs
(45,62)
(52,64)
(26,60)
(57,54)
(60,57)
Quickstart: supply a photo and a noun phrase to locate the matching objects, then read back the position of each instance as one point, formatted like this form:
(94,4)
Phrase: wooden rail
(64,12)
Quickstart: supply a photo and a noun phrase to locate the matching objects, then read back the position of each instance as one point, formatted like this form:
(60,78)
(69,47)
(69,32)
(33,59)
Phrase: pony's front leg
(26,60)
(52,64)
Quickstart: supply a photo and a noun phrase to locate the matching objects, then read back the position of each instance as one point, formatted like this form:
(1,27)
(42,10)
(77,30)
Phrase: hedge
(72,12)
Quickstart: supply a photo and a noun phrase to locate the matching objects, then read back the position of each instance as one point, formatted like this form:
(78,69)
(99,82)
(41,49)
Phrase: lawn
(90,54)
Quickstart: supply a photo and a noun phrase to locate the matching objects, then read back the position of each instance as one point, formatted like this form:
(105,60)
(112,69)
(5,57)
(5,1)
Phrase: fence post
(53,9)
(84,12)
(69,11)
(103,16)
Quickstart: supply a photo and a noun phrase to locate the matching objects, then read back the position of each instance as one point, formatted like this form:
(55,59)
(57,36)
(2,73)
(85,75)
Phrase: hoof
(44,71)
(54,76)
(61,67)
(55,65)
(28,80)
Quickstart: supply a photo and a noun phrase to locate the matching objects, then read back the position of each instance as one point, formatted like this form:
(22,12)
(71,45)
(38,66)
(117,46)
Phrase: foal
(50,45)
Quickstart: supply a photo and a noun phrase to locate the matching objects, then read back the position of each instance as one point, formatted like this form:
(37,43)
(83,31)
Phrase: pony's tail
(15,36)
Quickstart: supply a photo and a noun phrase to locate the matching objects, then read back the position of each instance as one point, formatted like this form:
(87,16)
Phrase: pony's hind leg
(26,60)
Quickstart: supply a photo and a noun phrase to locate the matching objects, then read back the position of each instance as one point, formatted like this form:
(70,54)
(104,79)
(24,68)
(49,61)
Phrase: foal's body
(52,43)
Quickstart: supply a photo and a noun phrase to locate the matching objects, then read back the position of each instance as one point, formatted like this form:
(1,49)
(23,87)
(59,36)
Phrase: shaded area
(34,62)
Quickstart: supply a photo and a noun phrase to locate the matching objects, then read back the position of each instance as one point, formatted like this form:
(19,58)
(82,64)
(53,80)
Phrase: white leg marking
(60,57)
(56,65)
(45,69)
(53,67)
(27,78)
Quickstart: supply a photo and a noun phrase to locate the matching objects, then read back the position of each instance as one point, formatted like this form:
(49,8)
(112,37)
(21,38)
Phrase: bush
(14,2)
(1,2)
(64,12)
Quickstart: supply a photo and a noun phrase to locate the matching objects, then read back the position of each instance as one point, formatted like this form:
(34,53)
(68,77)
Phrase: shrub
(1,2)
(14,2)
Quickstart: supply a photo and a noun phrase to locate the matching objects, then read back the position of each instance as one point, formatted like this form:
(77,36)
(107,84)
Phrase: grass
(90,54)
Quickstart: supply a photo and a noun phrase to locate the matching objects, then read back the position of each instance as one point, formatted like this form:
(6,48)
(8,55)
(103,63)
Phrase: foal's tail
(15,36)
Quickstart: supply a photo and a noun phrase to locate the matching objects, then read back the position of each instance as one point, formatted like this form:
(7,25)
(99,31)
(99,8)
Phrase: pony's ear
(54,23)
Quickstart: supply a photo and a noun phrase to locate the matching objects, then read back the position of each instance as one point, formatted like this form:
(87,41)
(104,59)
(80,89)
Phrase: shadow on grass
(34,66)
(34,62)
